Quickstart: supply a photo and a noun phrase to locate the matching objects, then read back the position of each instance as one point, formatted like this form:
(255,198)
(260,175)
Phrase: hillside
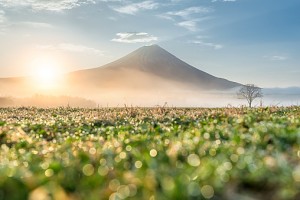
(150,67)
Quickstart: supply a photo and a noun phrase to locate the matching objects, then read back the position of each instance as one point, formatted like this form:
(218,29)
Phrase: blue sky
(248,41)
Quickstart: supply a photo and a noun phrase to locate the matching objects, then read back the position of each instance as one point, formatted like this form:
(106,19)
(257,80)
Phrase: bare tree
(249,92)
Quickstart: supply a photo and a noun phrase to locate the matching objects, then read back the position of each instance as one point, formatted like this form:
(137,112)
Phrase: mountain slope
(148,73)
(150,67)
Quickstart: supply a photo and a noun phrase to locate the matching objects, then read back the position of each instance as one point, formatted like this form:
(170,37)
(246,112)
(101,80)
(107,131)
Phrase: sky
(247,41)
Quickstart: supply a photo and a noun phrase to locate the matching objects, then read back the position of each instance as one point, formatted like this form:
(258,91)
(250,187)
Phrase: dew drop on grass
(138,164)
(114,184)
(103,171)
(153,153)
(123,191)
(206,136)
(193,160)
(92,151)
(122,155)
(88,169)
(49,172)
(207,191)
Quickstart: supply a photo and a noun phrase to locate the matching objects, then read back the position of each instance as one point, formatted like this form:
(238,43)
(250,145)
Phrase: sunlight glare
(46,72)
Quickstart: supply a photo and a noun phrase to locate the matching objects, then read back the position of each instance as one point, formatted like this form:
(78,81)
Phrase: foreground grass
(159,153)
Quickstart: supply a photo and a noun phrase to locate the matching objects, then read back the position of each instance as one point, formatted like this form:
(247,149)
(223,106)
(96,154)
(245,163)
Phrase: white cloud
(276,58)
(186,13)
(208,44)
(133,8)
(134,38)
(2,17)
(36,24)
(3,22)
(190,16)
(203,37)
(190,25)
(71,48)
(51,5)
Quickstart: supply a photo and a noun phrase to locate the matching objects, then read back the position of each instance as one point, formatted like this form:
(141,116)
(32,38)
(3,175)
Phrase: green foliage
(143,153)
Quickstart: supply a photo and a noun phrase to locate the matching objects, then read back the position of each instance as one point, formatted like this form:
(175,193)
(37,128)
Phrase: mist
(147,77)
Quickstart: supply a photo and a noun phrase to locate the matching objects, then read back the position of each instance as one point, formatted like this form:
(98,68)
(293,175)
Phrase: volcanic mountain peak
(149,68)
(158,67)
(152,50)
(144,57)
(151,54)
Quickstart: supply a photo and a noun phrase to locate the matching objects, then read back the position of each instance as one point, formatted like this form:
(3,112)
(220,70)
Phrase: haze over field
(104,51)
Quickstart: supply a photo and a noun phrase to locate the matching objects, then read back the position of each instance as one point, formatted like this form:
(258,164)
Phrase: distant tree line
(47,101)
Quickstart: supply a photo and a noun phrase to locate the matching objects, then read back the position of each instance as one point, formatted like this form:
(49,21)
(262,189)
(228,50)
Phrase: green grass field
(158,153)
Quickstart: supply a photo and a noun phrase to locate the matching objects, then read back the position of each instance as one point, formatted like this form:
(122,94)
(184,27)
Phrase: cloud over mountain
(140,37)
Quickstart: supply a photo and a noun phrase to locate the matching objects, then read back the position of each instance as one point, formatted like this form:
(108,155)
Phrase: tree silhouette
(249,92)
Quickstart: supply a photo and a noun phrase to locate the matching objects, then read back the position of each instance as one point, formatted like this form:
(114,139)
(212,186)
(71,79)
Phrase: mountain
(150,67)
(146,77)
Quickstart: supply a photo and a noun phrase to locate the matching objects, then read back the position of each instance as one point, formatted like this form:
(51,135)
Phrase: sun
(46,72)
